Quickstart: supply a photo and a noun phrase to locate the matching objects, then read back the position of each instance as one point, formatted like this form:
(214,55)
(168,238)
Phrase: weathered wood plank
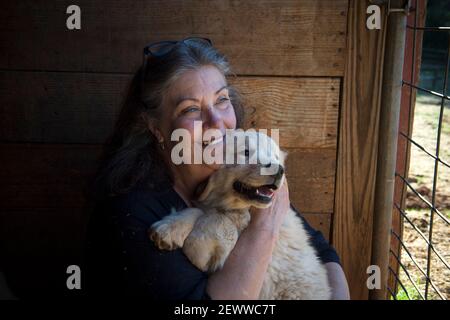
(320,221)
(305,110)
(45,175)
(59,107)
(45,231)
(46,241)
(358,145)
(37,246)
(81,108)
(311,176)
(57,175)
(267,37)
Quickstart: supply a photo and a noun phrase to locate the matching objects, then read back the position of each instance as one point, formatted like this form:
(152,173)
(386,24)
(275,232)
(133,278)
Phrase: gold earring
(161,144)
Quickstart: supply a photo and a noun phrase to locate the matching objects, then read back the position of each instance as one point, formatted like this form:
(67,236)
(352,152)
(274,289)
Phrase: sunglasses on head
(161,48)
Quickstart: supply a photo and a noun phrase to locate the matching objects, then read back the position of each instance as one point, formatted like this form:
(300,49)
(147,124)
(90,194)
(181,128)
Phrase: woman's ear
(151,124)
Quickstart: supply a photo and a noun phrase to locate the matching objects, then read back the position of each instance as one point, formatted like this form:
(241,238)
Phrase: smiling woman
(179,84)
(199,95)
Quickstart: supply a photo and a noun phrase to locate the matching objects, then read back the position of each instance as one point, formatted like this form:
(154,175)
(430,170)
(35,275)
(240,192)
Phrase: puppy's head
(250,178)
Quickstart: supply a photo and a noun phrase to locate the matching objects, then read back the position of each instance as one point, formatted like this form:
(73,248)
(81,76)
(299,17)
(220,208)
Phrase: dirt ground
(421,177)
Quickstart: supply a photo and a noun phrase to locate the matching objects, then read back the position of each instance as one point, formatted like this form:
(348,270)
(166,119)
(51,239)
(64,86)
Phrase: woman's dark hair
(130,155)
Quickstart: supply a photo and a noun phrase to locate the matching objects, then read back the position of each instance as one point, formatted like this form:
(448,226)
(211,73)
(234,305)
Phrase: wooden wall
(61,90)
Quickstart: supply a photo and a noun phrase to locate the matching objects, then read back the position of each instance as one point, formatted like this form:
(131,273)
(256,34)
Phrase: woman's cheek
(230,118)
(186,125)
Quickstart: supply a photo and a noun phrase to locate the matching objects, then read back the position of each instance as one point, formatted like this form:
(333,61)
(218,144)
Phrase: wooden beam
(266,37)
(357,147)
(312,176)
(82,107)
(387,149)
(37,175)
(305,110)
(46,241)
(320,222)
(37,246)
(45,175)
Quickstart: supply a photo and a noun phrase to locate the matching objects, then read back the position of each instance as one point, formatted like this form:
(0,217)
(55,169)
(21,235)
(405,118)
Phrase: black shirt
(122,260)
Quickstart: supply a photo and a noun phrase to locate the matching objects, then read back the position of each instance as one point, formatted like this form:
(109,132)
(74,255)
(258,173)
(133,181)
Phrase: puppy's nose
(278,176)
(280,171)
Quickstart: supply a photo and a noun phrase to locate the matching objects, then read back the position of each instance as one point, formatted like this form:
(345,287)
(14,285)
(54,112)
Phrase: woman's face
(197,95)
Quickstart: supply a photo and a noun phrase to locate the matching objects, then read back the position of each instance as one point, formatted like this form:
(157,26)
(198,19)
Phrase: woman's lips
(212,142)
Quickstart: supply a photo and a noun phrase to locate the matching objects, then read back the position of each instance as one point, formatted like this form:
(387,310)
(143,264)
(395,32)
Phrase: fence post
(387,147)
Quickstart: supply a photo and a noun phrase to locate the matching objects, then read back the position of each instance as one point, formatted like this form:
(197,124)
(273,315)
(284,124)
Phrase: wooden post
(387,150)
(416,17)
(358,146)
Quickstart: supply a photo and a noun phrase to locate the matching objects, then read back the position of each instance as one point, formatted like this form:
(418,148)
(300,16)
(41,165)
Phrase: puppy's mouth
(262,193)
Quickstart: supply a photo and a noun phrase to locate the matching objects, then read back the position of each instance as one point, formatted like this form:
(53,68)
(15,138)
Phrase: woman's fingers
(283,198)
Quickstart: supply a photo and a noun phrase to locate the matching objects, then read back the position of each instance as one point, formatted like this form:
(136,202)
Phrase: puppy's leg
(170,232)
(211,241)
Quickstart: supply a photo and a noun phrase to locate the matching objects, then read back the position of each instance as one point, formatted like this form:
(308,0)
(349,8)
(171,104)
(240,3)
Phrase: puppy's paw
(205,254)
(165,235)
(216,262)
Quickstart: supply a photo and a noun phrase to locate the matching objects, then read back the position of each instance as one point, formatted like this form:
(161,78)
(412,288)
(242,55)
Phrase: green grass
(421,172)
(445,126)
(446,212)
(420,179)
(431,113)
(412,292)
(426,119)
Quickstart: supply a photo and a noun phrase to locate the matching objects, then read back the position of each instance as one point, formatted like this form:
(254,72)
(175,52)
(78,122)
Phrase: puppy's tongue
(265,191)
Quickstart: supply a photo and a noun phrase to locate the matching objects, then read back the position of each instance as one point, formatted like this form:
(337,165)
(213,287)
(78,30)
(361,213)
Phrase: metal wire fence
(407,271)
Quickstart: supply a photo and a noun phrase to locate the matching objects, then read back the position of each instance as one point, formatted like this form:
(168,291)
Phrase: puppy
(208,233)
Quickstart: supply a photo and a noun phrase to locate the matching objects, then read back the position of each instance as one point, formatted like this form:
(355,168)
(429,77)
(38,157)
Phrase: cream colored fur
(207,234)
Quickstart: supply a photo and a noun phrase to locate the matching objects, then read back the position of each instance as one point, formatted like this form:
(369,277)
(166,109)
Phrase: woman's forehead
(205,80)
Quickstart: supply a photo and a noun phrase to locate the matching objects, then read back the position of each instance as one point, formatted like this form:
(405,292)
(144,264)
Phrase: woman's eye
(222,100)
(190,110)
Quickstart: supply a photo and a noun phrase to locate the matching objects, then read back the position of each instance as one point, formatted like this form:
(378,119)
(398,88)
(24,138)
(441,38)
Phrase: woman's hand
(271,218)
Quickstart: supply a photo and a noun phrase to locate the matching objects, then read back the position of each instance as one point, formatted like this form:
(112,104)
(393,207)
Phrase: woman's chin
(213,166)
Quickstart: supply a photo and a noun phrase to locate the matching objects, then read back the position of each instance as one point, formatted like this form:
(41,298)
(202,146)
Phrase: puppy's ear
(283,155)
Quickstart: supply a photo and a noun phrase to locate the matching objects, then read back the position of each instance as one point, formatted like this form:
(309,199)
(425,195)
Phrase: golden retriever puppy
(208,233)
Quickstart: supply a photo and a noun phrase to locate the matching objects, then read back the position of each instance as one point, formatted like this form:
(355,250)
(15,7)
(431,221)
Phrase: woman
(138,184)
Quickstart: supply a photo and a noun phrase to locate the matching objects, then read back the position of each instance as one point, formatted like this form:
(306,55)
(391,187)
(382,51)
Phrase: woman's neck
(187,179)
(183,193)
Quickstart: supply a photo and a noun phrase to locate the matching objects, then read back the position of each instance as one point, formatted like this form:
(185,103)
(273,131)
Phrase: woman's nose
(212,119)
